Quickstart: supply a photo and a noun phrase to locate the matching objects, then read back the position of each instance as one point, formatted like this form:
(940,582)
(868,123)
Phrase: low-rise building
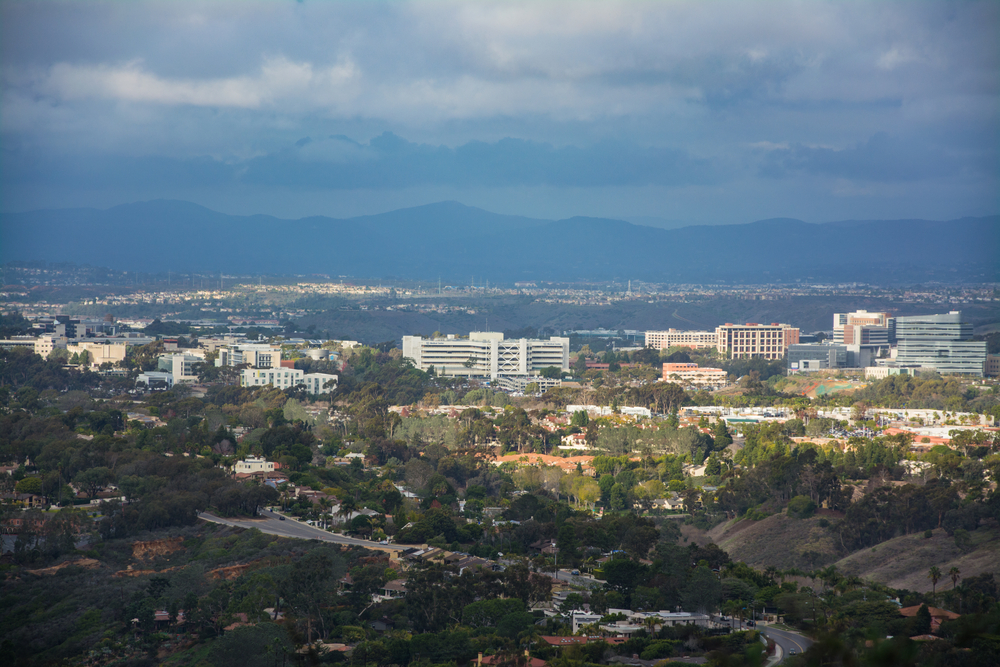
(182,365)
(99,352)
(692,375)
(882,372)
(519,383)
(155,380)
(252,464)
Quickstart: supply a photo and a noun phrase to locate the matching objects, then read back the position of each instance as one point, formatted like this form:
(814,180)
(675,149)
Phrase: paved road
(788,641)
(270,523)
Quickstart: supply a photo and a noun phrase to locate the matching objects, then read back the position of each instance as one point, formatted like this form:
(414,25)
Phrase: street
(269,523)
(788,641)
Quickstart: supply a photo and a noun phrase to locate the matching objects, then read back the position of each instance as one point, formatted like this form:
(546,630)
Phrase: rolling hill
(457,242)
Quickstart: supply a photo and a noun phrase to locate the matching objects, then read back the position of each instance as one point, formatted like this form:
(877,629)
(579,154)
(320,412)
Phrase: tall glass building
(942,342)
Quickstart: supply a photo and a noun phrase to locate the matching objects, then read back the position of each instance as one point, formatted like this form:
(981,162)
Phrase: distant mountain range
(458,243)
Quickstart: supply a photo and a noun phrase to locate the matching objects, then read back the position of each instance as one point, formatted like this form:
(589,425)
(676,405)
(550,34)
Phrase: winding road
(788,641)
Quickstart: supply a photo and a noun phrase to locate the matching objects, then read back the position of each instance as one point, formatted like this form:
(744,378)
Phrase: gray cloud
(882,158)
(120,97)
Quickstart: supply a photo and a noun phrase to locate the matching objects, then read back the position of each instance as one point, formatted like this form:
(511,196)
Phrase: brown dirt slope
(154,548)
(779,541)
(904,562)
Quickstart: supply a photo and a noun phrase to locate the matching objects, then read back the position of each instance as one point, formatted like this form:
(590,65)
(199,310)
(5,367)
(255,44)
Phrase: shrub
(801,507)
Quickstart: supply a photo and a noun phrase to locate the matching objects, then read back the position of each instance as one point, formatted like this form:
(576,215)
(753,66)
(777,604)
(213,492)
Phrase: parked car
(281,518)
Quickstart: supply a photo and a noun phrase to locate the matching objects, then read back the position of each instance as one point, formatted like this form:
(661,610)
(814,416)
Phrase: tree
(552,372)
(955,576)
(29,485)
(934,575)
(720,433)
(922,621)
(94,480)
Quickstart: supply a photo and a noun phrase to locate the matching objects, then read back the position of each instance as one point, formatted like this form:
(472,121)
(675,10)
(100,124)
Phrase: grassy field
(779,541)
(904,562)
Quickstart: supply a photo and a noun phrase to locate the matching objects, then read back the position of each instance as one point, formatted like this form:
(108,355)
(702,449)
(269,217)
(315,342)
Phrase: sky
(663,113)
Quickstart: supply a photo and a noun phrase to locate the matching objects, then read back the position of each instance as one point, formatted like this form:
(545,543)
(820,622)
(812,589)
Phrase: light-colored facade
(181,365)
(486,354)
(942,342)
(45,344)
(155,380)
(519,383)
(286,378)
(319,383)
(993,365)
(662,340)
(882,372)
(755,341)
(255,355)
(252,464)
(26,342)
(692,374)
(848,327)
(100,353)
(281,378)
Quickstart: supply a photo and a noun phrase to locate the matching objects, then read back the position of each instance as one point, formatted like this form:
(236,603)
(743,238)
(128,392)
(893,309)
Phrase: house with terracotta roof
(938,616)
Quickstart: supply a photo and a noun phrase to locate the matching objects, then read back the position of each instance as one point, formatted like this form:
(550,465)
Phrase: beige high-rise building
(755,341)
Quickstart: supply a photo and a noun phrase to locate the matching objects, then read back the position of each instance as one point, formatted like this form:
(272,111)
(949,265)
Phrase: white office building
(486,354)
(662,340)
(942,342)
(286,378)
(256,355)
(182,365)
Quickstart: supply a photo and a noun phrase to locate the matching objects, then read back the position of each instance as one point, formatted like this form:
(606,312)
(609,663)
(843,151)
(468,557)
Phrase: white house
(253,464)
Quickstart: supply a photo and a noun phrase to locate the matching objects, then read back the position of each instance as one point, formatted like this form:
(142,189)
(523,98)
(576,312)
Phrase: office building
(25,342)
(155,380)
(45,343)
(695,376)
(286,378)
(942,342)
(806,357)
(992,365)
(255,355)
(755,341)
(486,354)
(181,366)
(518,384)
(882,372)
(863,328)
(662,340)
(99,352)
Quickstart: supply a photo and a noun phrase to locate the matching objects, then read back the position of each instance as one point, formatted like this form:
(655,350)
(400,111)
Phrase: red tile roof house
(938,616)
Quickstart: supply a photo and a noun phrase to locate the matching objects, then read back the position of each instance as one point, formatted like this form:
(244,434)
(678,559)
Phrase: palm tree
(955,576)
(934,575)
(347,507)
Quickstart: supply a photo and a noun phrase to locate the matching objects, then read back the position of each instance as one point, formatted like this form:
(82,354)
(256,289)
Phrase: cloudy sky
(663,112)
